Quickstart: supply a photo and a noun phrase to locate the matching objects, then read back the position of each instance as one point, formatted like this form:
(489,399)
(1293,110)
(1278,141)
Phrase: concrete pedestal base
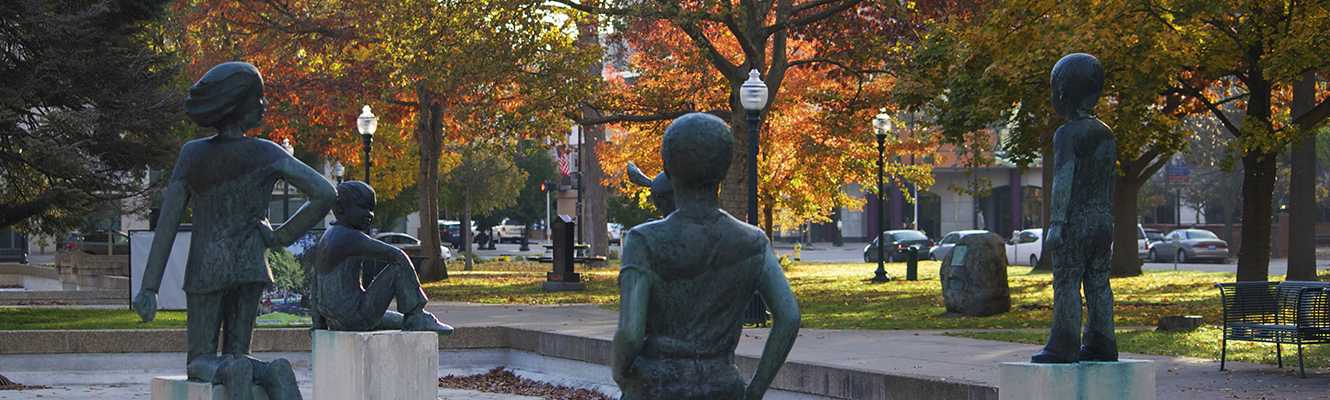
(555,286)
(380,365)
(179,387)
(1122,380)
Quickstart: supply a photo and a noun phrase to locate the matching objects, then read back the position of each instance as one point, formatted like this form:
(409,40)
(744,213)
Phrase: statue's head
(697,150)
(1078,81)
(662,194)
(231,91)
(355,205)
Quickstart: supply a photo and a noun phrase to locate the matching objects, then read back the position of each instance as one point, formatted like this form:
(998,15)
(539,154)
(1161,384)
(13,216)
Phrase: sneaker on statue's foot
(424,321)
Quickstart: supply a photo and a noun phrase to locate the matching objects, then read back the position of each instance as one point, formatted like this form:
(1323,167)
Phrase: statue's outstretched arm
(775,290)
(168,222)
(321,197)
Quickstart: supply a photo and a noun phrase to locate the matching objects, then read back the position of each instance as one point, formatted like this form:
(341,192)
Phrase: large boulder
(974,277)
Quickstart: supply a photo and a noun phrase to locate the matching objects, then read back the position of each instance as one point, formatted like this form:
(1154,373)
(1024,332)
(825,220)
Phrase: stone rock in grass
(974,277)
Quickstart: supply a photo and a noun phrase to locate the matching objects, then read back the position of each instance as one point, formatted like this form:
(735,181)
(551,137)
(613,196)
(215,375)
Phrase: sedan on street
(897,243)
(1025,246)
(944,246)
(1190,245)
(402,241)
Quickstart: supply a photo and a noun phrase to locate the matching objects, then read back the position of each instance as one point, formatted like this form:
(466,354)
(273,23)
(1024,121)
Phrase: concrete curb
(798,377)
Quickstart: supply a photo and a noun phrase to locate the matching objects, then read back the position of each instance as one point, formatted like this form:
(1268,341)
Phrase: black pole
(752,166)
(368,138)
(881,274)
(286,202)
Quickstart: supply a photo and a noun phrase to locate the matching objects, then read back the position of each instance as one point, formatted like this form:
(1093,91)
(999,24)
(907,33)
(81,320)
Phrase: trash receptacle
(912,264)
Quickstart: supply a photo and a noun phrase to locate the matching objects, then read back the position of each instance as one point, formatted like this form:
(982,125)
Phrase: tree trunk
(767,214)
(1302,189)
(1046,262)
(1258,181)
(594,204)
(429,134)
(1258,185)
(1126,259)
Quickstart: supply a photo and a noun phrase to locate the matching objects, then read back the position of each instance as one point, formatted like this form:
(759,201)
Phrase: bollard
(912,264)
(798,251)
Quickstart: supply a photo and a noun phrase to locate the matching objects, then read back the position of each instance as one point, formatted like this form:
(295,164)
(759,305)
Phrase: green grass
(22,318)
(1202,342)
(831,296)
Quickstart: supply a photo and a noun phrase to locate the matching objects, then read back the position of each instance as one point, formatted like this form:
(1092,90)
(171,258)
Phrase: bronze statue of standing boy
(1080,234)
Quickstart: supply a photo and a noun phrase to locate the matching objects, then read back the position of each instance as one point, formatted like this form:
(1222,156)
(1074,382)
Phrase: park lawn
(25,318)
(1202,342)
(498,282)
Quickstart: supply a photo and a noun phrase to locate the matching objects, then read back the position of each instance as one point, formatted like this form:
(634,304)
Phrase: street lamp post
(337,171)
(753,95)
(881,126)
(367,123)
(286,189)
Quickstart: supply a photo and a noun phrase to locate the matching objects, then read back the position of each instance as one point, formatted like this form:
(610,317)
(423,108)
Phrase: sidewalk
(915,354)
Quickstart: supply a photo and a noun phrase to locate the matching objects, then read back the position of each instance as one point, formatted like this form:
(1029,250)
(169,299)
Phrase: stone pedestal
(1122,380)
(178,387)
(380,365)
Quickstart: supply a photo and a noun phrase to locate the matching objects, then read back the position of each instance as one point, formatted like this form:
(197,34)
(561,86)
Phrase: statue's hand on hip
(145,303)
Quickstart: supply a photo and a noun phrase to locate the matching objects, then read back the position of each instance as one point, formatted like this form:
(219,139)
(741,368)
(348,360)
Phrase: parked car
(509,231)
(1188,245)
(1152,236)
(96,243)
(402,241)
(898,241)
(1025,246)
(1142,243)
(944,246)
(450,231)
(616,233)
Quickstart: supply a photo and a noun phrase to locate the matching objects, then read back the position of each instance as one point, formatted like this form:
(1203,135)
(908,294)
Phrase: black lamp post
(367,123)
(881,126)
(753,96)
(286,189)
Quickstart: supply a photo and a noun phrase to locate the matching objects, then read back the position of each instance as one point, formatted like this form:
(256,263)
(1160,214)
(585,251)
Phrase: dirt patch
(6,384)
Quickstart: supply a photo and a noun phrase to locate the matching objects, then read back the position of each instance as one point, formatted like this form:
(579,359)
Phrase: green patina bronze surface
(340,302)
(1081,228)
(686,280)
(228,178)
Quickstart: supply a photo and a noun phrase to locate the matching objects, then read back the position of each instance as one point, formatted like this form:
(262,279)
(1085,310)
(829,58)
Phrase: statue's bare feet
(1046,356)
(424,321)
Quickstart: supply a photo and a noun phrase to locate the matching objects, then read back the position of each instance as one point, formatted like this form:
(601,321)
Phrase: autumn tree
(826,61)
(1164,60)
(483,181)
(90,101)
(415,61)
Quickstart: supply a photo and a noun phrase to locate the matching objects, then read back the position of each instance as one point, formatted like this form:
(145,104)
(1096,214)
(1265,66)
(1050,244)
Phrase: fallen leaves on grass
(499,380)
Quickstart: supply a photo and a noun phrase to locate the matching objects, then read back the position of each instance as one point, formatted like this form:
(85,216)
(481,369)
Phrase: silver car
(402,241)
(944,246)
(1188,245)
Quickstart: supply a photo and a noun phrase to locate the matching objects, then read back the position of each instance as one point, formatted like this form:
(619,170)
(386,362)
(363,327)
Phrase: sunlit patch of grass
(841,296)
(23,318)
(1203,342)
(521,283)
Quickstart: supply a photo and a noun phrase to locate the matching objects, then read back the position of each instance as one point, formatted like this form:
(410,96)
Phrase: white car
(1025,246)
(402,240)
(616,233)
